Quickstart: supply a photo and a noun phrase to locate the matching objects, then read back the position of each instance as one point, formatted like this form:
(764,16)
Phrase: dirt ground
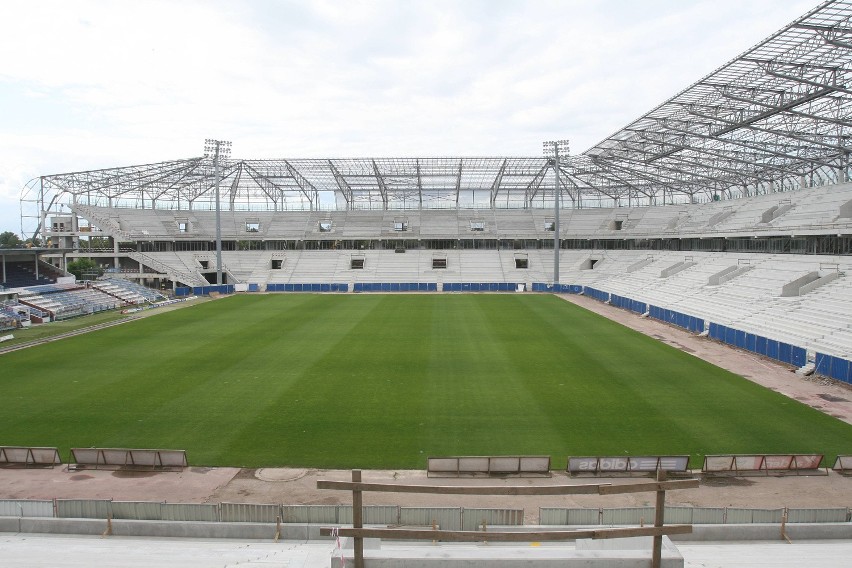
(298,486)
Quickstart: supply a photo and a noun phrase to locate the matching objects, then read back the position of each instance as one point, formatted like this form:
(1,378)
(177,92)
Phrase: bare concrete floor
(37,551)
(298,486)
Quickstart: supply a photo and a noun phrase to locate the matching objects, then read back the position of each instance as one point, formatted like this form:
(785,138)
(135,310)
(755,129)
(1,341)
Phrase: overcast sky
(89,84)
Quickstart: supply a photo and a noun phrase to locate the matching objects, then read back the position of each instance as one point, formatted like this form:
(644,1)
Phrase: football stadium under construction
(725,211)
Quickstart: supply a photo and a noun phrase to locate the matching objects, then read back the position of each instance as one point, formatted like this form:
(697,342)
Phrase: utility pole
(552,149)
(217,149)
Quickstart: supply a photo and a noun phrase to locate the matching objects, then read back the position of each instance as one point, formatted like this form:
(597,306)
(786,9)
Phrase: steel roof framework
(775,118)
(771,119)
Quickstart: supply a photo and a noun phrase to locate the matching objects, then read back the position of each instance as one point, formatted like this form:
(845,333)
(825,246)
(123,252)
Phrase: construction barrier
(834,367)
(596,465)
(762,463)
(312,287)
(488,465)
(127,458)
(396,287)
(24,456)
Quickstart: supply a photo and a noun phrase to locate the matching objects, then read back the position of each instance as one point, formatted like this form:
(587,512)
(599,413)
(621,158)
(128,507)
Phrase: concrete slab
(40,551)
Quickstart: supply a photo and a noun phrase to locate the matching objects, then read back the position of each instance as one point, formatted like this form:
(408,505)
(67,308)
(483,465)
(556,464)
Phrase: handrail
(359,533)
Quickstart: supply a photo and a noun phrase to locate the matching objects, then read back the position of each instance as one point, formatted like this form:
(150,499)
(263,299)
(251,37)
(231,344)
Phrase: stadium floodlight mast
(217,149)
(553,148)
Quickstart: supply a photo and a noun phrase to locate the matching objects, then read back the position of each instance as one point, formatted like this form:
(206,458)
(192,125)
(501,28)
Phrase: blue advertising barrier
(558,289)
(312,287)
(778,350)
(480,286)
(834,367)
(207,290)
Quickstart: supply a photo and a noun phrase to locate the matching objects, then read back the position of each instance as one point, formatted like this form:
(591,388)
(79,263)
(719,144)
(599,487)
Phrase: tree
(8,239)
(83,267)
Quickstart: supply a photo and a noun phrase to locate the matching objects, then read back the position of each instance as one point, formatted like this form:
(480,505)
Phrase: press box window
(277,263)
(439,263)
(400,225)
(252,226)
(549,225)
(477,225)
(356,264)
(325,226)
(183,226)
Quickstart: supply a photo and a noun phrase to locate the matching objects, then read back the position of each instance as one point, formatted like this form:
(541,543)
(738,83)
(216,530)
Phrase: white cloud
(96,84)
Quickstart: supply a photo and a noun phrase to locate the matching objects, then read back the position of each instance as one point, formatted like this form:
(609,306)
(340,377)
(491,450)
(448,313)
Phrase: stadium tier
(745,263)
(51,302)
(814,211)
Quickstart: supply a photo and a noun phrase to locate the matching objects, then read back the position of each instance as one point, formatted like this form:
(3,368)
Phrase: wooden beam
(590,489)
(659,520)
(499,536)
(357,517)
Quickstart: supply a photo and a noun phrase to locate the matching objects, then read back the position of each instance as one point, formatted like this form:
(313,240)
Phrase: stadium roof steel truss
(773,119)
(778,114)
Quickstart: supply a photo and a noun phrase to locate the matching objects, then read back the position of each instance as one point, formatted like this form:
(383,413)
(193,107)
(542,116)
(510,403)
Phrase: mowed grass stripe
(383,381)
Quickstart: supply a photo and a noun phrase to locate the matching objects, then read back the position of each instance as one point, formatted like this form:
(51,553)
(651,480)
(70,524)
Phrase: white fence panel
(373,514)
(628,516)
(313,514)
(25,508)
(767,515)
(737,515)
(708,515)
(552,516)
(678,515)
(447,518)
(190,512)
(137,510)
(473,519)
(249,513)
(584,517)
(817,515)
(83,508)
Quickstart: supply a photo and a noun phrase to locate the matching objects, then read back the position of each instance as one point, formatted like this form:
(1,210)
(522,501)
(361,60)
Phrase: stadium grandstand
(730,203)
(725,211)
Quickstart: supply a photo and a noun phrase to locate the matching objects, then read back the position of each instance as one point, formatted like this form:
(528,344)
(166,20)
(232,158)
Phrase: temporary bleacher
(63,301)
(126,291)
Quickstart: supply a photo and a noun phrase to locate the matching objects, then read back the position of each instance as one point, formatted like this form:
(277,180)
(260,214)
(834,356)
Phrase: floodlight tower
(552,149)
(217,149)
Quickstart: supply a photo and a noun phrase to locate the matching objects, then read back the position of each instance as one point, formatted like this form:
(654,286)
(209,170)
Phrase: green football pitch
(384,381)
